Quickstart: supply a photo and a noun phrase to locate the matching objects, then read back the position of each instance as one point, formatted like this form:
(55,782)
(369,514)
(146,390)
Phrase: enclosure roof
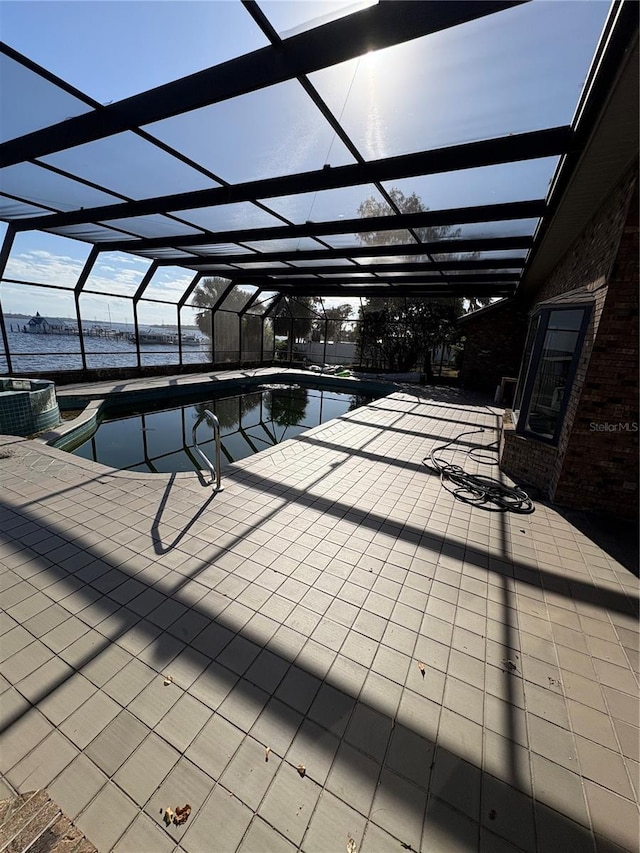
(405,148)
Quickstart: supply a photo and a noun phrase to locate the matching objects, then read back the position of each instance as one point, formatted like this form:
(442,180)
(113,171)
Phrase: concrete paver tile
(559,788)
(107,817)
(143,837)
(215,746)
(315,748)
(508,813)
(185,783)
(37,769)
(446,830)
(603,766)
(77,785)
(592,724)
(612,815)
(153,702)
(183,722)
(28,730)
(250,772)
(554,742)
(331,709)
(261,837)
(26,661)
(618,677)
(629,739)
(290,802)
(376,840)
(621,706)
(90,719)
(146,769)
(298,689)
(353,778)
(461,735)
(557,832)
(228,831)
(117,742)
(214,685)
(13,641)
(410,756)
(369,731)
(125,685)
(399,807)
(103,667)
(332,826)
(456,782)
(238,655)
(276,726)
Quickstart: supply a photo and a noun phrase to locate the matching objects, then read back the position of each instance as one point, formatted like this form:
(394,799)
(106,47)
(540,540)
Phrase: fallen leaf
(352,847)
(266,753)
(168,816)
(302,770)
(182,813)
(421,667)
(168,679)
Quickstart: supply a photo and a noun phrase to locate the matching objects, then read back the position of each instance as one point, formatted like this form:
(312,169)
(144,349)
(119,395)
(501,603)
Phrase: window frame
(528,372)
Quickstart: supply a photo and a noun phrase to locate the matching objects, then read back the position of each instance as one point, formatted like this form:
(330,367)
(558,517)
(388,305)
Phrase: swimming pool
(155,438)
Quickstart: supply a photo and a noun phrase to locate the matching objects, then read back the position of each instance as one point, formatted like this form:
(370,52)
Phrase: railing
(214,469)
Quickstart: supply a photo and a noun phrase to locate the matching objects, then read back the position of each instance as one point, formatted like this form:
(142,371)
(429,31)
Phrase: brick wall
(528,462)
(589,468)
(599,463)
(493,346)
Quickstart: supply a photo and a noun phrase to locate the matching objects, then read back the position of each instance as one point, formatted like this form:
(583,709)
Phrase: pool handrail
(214,469)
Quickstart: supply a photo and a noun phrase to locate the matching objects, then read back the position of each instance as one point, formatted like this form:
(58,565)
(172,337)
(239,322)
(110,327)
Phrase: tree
(400,332)
(294,319)
(302,310)
(335,318)
(225,335)
(287,406)
(405,204)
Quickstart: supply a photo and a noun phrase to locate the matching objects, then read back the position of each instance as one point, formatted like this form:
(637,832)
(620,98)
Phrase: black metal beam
(189,291)
(379,269)
(377,27)
(442,247)
(291,285)
(151,271)
(435,291)
(424,219)
(5,252)
(488,152)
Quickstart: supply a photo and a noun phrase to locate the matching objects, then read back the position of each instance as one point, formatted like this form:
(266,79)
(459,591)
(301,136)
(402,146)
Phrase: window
(551,354)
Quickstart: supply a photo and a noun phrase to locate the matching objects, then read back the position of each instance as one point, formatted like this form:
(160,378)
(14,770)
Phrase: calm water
(62,352)
(159,441)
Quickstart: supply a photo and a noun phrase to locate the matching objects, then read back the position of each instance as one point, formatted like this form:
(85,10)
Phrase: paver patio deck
(291,611)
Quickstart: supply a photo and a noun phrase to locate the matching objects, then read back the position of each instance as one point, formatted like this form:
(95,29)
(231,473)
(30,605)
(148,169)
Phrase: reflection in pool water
(160,441)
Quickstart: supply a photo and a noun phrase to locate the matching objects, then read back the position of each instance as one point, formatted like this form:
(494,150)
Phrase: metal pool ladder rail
(215,469)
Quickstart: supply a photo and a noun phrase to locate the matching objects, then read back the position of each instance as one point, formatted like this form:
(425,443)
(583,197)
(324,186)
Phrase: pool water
(161,441)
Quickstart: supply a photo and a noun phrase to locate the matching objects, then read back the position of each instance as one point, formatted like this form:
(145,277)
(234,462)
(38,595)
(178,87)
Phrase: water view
(34,352)
(161,442)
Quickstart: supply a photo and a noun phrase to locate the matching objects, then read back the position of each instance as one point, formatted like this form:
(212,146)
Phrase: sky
(515,71)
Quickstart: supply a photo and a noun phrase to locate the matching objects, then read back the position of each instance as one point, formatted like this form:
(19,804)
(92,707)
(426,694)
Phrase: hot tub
(27,406)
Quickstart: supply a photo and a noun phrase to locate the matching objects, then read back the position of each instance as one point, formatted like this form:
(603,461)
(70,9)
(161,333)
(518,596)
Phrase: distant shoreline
(73,320)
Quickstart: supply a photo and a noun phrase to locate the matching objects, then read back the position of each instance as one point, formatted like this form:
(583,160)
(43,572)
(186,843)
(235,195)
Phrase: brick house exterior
(594,464)
(493,344)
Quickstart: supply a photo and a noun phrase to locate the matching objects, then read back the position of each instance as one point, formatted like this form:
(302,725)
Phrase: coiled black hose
(487,493)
